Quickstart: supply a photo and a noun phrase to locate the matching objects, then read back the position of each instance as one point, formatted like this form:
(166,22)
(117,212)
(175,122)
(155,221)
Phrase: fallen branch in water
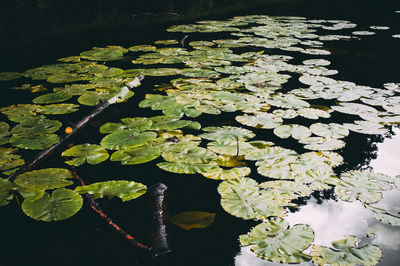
(95,207)
(78,126)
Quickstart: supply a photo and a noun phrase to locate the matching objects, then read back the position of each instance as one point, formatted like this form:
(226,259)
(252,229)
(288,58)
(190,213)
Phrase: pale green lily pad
(322,144)
(233,147)
(287,101)
(62,204)
(331,130)
(49,178)
(193,219)
(226,132)
(365,186)
(260,120)
(296,131)
(90,153)
(224,174)
(242,198)
(346,252)
(313,113)
(272,155)
(384,216)
(275,241)
(186,168)
(284,191)
(6,188)
(139,123)
(195,155)
(125,190)
(34,142)
(366,127)
(331,158)
(136,155)
(123,139)
(57,109)
(104,54)
(286,113)
(318,179)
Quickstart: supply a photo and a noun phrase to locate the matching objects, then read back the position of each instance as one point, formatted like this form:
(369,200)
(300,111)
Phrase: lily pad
(276,241)
(285,191)
(9,160)
(195,155)
(49,178)
(242,198)
(260,120)
(186,168)
(226,132)
(365,186)
(54,97)
(90,153)
(4,133)
(57,109)
(139,123)
(34,142)
(136,155)
(224,174)
(296,131)
(9,75)
(193,219)
(322,144)
(62,204)
(125,190)
(123,139)
(331,130)
(6,188)
(346,252)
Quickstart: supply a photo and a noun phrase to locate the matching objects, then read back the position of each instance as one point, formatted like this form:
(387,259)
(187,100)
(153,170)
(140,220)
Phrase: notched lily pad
(49,178)
(90,153)
(193,219)
(136,155)
(123,139)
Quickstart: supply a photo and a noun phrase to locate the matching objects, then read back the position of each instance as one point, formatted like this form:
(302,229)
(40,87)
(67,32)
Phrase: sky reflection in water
(332,220)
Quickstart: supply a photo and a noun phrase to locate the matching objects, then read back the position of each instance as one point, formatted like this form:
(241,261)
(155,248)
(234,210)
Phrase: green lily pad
(34,142)
(31,194)
(136,155)
(193,219)
(4,133)
(6,188)
(331,130)
(65,78)
(54,97)
(224,174)
(166,42)
(296,131)
(272,155)
(49,178)
(195,155)
(384,216)
(286,191)
(9,160)
(125,190)
(123,139)
(186,168)
(90,153)
(322,144)
(57,109)
(35,126)
(346,252)
(142,48)
(19,112)
(275,241)
(139,123)
(365,186)
(226,132)
(9,75)
(242,198)
(233,147)
(62,204)
(260,120)
(104,54)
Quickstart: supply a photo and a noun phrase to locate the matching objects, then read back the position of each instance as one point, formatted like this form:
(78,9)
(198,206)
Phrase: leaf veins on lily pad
(136,155)
(90,153)
(274,240)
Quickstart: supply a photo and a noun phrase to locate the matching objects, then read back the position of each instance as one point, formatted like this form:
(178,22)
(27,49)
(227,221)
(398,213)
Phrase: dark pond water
(85,239)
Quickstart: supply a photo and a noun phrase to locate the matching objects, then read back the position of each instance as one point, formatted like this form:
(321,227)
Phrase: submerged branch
(95,207)
(76,128)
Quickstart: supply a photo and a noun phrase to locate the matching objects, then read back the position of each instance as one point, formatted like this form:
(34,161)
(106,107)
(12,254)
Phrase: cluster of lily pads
(244,74)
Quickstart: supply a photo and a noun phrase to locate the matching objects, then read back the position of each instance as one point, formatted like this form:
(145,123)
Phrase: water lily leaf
(384,216)
(313,113)
(123,139)
(139,123)
(224,174)
(125,190)
(65,78)
(366,127)
(9,160)
(34,142)
(62,204)
(20,112)
(242,198)
(233,147)
(260,120)
(286,113)
(136,155)
(353,108)
(6,188)
(322,144)
(193,219)
(171,123)
(296,131)
(333,159)
(30,193)
(229,161)
(320,178)
(275,241)
(90,153)
(166,42)
(4,133)
(54,97)
(276,171)
(287,101)
(331,130)
(365,186)
(272,155)
(110,72)
(9,75)
(142,48)
(226,132)
(49,178)
(346,252)
(284,191)
(196,155)
(91,98)
(104,54)
(57,109)
(186,168)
